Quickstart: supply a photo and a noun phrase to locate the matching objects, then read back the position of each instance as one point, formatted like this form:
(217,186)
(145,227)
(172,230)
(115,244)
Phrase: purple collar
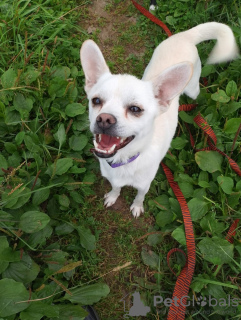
(116,165)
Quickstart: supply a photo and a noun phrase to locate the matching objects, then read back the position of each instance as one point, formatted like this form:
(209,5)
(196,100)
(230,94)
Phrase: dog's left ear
(171,82)
(93,63)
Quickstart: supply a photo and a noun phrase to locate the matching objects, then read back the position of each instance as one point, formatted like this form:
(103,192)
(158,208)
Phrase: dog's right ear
(93,63)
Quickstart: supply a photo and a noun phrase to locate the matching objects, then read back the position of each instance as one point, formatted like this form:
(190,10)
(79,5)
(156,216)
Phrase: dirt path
(120,243)
(113,26)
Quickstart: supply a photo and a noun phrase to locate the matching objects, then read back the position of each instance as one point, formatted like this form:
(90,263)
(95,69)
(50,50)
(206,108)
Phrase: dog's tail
(225,49)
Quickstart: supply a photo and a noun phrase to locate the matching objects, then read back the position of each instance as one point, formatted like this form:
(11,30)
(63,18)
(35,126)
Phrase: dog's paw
(136,210)
(110,199)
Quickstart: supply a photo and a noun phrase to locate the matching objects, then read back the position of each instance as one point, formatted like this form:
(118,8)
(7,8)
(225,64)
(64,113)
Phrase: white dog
(134,121)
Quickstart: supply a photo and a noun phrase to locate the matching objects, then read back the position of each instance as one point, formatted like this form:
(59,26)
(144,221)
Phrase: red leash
(152,18)
(232,231)
(177,309)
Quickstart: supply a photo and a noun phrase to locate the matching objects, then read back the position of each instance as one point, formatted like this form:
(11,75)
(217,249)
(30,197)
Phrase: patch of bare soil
(107,22)
(115,256)
(121,241)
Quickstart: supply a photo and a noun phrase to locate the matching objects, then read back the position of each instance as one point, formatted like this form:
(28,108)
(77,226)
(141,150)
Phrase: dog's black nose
(105,120)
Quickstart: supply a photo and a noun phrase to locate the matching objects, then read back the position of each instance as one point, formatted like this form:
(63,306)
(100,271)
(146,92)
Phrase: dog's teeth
(117,137)
(122,140)
(112,148)
(95,144)
(100,137)
(102,151)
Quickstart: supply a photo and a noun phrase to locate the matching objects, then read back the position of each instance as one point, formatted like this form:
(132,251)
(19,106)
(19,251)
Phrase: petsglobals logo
(226,305)
(186,301)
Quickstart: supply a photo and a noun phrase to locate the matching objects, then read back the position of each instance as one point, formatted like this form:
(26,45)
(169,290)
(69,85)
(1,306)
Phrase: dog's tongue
(106,141)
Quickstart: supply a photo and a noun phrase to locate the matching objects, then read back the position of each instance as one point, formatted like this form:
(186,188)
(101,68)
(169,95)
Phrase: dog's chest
(135,174)
(126,175)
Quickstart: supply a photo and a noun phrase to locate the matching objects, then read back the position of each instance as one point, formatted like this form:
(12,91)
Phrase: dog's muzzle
(106,142)
(106,146)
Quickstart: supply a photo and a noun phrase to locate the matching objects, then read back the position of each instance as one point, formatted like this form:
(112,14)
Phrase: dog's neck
(119,164)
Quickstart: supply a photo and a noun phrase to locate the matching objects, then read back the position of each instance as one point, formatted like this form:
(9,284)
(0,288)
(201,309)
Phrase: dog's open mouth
(106,146)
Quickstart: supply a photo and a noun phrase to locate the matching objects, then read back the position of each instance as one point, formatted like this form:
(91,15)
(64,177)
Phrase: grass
(48,172)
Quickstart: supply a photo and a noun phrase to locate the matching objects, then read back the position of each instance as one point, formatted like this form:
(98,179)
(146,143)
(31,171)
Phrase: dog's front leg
(137,205)
(111,197)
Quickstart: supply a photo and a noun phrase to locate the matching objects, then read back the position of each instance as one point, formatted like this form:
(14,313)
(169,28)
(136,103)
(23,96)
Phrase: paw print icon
(201,301)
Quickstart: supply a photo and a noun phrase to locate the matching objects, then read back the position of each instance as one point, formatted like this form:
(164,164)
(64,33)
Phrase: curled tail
(225,49)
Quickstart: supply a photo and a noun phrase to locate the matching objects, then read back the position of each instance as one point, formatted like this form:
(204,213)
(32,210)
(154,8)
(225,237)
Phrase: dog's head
(122,108)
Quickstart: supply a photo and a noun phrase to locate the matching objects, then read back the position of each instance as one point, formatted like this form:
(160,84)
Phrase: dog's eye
(96,101)
(135,109)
